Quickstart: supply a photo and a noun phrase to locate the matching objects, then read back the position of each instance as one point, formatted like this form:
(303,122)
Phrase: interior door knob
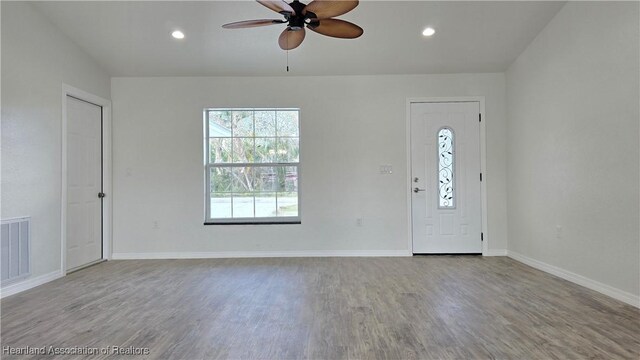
(417,190)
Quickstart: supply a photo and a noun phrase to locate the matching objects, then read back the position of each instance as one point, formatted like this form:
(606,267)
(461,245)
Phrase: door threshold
(447,254)
(85,266)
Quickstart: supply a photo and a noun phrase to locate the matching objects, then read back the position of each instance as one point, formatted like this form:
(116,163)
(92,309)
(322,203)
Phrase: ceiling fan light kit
(317,16)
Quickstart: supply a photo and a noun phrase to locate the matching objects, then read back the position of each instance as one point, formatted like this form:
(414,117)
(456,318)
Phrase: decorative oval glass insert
(446,166)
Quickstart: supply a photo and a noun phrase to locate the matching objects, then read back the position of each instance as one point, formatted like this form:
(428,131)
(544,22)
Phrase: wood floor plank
(443,307)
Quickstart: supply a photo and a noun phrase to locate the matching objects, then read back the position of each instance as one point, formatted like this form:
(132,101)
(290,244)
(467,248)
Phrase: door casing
(483,162)
(107,203)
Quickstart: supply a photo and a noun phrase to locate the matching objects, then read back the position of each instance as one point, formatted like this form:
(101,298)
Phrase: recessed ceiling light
(428,31)
(177,34)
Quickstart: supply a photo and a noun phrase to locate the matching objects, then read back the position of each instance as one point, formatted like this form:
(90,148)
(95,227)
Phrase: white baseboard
(257,254)
(605,289)
(29,283)
(495,252)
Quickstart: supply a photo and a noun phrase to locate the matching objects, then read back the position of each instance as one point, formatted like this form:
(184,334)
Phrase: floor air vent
(16,248)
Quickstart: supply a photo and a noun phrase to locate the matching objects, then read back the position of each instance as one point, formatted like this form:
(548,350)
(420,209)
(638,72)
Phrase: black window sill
(255,223)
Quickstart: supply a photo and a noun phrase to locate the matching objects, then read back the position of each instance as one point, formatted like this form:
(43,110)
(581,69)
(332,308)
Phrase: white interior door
(84,183)
(446,207)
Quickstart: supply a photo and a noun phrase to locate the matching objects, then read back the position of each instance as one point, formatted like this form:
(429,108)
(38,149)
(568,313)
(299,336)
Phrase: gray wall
(573,134)
(350,126)
(36,60)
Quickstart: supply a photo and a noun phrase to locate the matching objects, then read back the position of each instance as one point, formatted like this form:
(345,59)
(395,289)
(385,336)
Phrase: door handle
(416,190)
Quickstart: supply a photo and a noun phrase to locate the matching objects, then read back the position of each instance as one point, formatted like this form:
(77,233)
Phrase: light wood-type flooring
(439,307)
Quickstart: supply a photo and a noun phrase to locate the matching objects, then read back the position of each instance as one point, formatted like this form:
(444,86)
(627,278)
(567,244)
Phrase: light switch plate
(386,169)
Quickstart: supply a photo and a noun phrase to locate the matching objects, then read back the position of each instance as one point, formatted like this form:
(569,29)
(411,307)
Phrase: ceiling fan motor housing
(297,21)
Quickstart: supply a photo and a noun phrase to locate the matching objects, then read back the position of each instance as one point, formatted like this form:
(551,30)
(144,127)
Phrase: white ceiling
(133,38)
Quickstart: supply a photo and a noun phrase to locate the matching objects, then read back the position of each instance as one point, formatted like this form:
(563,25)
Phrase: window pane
(219,123)
(265,123)
(220,206)
(220,179)
(446,168)
(287,204)
(243,181)
(280,181)
(288,150)
(219,150)
(243,206)
(242,123)
(265,150)
(243,151)
(287,123)
(266,179)
(265,204)
(291,179)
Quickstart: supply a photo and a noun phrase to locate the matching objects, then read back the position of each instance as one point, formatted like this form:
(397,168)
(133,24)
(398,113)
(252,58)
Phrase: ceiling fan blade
(336,28)
(291,39)
(251,23)
(324,9)
(278,6)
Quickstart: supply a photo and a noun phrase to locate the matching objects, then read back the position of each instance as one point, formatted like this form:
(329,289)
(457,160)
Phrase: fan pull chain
(287,57)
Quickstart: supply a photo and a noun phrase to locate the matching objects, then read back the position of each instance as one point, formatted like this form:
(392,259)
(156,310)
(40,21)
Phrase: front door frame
(107,203)
(483,162)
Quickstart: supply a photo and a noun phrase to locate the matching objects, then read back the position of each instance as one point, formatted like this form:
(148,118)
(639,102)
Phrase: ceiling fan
(317,16)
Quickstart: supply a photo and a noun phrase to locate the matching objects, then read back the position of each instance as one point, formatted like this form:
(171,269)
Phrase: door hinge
(479,117)
(101,195)
(480,176)
(481,236)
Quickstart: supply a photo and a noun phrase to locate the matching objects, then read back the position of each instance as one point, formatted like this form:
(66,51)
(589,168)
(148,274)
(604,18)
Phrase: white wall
(36,60)
(350,126)
(573,126)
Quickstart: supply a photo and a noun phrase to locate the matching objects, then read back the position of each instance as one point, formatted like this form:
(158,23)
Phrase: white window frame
(207,176)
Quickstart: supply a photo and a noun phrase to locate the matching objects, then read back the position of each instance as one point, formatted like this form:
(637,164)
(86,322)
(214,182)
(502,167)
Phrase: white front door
(84,183)
(446,210)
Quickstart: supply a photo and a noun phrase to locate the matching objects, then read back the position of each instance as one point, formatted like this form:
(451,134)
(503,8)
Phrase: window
(446,166)
(252,165)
